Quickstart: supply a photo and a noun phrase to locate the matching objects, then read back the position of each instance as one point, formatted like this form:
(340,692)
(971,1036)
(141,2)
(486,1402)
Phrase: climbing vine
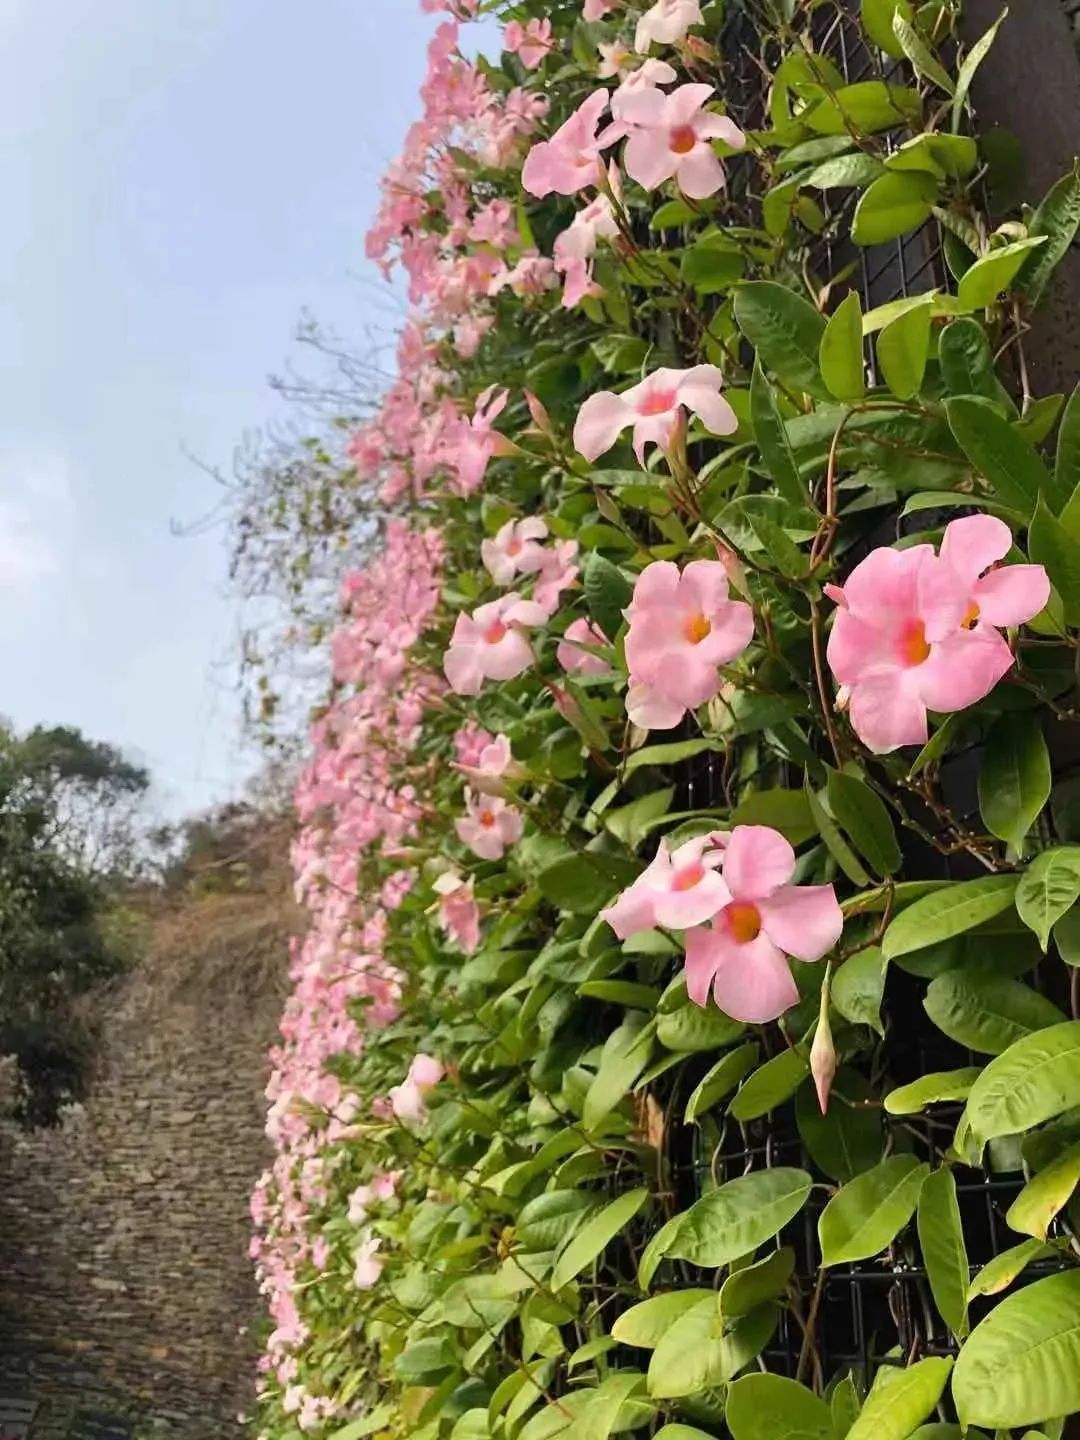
(690,838)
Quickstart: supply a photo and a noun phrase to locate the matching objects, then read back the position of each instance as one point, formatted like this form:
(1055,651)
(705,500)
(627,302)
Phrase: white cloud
(36,518)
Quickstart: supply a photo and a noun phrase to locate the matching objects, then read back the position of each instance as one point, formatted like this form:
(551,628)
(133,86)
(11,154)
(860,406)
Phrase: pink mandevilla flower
(495,767)
(490,644)
(459,914)
(559,572)
(666,23)
(682,628)
(916,631)
(596,9)
(762,919)
(655,408)
(531,43)
(570,160)
(407,1099)
(679,889)
(516,549)
(368,1265)
(574,652)
(490,827)
(575,246)
(669,139)
(648,75)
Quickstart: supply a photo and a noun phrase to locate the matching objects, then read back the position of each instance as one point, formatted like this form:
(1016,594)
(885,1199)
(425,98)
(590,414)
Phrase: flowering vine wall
(708,691)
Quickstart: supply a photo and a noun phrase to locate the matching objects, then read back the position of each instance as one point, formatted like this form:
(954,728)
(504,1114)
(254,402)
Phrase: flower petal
(751,982)
(699,176)
(803,920)
(974,543)
(1012,594)
(757,861)
(962,669)
(649,709)
(600,422)
(887,713)
(649,159)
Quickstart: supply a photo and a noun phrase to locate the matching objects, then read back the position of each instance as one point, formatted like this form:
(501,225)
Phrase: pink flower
(459,914)
(490,644)
(682,628)
(823,1056)
(915,632)
(425,1072)
(570,160)
(407,1099)
(473,442)
(666,23)
(575,247)
(469,333)
(596,9)
(741,956)
(615,59)
(648,75)
(531,42)
(578,661)
(516,549)
(368,1266)
(677,890)
(470,742)
(669,139)
(490,826)
(655,409)
(495,766)
(558,573)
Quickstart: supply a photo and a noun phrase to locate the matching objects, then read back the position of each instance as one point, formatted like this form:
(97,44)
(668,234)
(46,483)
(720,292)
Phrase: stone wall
(125,1287)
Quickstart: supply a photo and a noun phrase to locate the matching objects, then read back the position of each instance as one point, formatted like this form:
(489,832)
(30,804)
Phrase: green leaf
(621,1062)
(902,350)
(857,988)
(929,1089)
(744,1290)
(607,593)
(720,1080)
(547,1220)
(998,451)
(941,1239)
(1015,777)
(1067,464)
(949,911)
(877,21)
(712,265)
(843,172)
(841,356)
(966,360)
(896,202)
(736,1218)
(1050,544)
(655,1251)
(862,813)
(595,1235)
(868,1212)
(953,157)
(672,214)
(1037,1078)
(621,992)
(845,1404)
(926,65)
(993,274)
(868,107)
(785,810)
(631,823)
(1045,1194)
(771,435)
(598,1416)
(846,1140)
(986,1013)
(1067,936)
(694,1355)
(695,1027)
(1049,887)
(770,1085)
(894,1409)
(670,753)
(365,1426)
(1022,1363)
(644,1325)
(835,843)
(769,1407)
(1058,218)
(786,332)
(972,60)
(999,1273)
(585,881)
(681,1432)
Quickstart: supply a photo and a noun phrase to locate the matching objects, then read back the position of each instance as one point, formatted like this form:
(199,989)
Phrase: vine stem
(811,1325)
(822,685)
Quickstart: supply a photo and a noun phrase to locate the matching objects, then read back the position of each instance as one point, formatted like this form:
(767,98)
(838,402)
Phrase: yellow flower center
(697,628)
(744,921)
(688,878)
(913,644)
(683,139)
(495,632)
(487,819)
(971,615)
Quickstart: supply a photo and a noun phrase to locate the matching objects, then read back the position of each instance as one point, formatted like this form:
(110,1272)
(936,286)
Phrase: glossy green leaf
(744,1290)
(720,1080)
(656,1250)
(971,62)
(632,823)
(771,435)
(902,350)
(770,1407)
(893,1410)
(862,813)
(841,356)
(877,21)
(1045,1194)
(713,265)
(736,1218)
(547,1220)
(1021,1365)
(1052,545)
(1057,217)
(696,1355)
(1000,1272)
(931,1089)
(595,1235)
(598,1416)
(895,203)
(1037,1078)
(835,843)
(644,1325)
(624,1057)
(999,451)
(1067,461)
(986,1013)
(993,274)
(786,332)
(847,1139)
(868,1212)
(924,61)
(783,810)
(950,911)
(941,1239)
(843,172)
(696,1027)
(844,1404)
(770,1085)
(607,593)
(869,106)
(858,986)
(967,362)
(621,992)
(1015,777)
(1048,889)
(950,156)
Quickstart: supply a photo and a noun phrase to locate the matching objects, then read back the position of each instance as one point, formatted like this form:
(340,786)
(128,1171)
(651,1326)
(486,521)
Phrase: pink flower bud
(823,1054)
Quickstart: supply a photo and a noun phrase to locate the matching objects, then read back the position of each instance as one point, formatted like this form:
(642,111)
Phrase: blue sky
(181,180)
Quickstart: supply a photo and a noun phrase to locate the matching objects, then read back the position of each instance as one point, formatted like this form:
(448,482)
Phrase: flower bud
(823,1054)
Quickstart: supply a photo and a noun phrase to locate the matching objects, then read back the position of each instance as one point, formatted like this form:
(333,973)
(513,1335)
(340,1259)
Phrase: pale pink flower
(491,644)
(557,574)
(655,408)
(368,1265)
(572,651)
(648,75)
(763,919)
(916,632)
(469,332)
(459,914)
(666,23)
(615,59)
(495,224)
(682,628)
(678,890)
(531,43)
(407,1099)
(472,443)
(570,160)
(495,767)
(532,274)
(470,742)
(670,139)
(425,1071)
(517,549)
(575,246)
(490,827)
(596,9)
